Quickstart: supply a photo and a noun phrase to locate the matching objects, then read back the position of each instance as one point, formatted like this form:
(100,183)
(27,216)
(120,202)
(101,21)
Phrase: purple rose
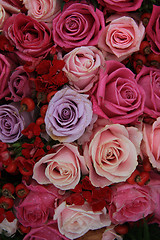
(12,122)
(149,80)
(5,69)
(121,6)
(31,38)
(118,97)
(19,84)
(79,24)
(68,115)
(45,232)
(153,29)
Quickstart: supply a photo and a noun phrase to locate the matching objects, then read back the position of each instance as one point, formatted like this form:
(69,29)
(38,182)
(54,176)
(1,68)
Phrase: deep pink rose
(129,203)
(46,232)
(151,147)
(149,80)
(38,207)
(31,38)
(19,84)
(12,6)
(77,25)
(118,97)
(82,66)
(62,168)
(5,70)
(111,154)
(153,29)
(121,6)
(74,221)
(121,37)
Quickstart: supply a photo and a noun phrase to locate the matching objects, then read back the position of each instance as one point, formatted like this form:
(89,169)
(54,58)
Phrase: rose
(12,6)
(67,116)
(3,16)
(38,206)
(31,38)
(8,228)
(152,30)
(130,203)
(62,168)
(45,232)
(121,37)
(74,221)
(110,234)
(118,96)
(44,10)
(111,154)
(151,143)
(121,6)
(5,70)
(12,122)
(82,67)
(19,84)
(149,80)
(77,25)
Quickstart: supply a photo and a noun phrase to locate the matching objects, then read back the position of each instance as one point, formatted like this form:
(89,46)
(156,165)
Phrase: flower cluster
(79,119)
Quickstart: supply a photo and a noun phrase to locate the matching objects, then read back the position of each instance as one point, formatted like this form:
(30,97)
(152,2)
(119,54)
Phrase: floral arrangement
(79,119)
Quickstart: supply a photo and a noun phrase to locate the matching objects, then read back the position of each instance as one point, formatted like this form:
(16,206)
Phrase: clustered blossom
(79,118)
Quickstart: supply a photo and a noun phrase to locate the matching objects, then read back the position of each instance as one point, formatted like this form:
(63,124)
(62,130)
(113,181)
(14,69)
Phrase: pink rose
(12,6)
(38,207)
(5,70)
(74,221)
(77,25)
(153,28)
(110,234)
(121,37)
(149,80)
(129,203)
(46,232)
(31,38)
(44,10)
(19,84)
(3,16)
(121,6)
(117,95)
(111,154)
(62,168)
(82,66)
(151,134)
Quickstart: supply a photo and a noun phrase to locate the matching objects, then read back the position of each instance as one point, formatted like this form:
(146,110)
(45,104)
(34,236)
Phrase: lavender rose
(12,122)
(31,38)
(121,6)
(153,28)
(19,84)
(77,25)
(5,70)
(149,80)
(67,116)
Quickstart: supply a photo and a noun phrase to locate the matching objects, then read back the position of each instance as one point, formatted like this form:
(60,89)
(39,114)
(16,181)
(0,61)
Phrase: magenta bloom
(153,29)
(118,97)
(79,24)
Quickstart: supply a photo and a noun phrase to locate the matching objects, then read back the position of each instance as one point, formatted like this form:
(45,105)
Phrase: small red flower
(25,166)
(86,184)
(43,67)
(32,130)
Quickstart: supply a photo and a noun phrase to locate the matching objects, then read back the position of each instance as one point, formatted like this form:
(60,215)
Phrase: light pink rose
(74,221)
(82,66)
(43,10)
(151,135)
(111,154)
(121,37)
(3,16)
(77,25)
(110,234)
(8,228)
(149,79)
(121,6)
(31,38)
(5,71)
(129,203)
(38,207)
(117,96)
(62,168)
(153,28)
(46,232)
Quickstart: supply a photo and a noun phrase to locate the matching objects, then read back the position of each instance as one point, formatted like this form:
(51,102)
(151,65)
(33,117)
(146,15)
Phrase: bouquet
(79,119)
